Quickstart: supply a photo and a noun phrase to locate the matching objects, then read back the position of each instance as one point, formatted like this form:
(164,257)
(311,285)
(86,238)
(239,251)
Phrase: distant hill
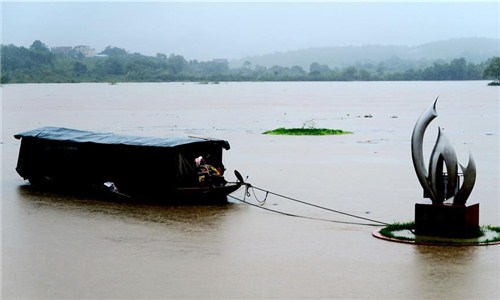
(474,50)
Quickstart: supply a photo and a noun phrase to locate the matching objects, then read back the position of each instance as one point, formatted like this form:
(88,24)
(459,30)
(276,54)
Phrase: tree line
(37,64)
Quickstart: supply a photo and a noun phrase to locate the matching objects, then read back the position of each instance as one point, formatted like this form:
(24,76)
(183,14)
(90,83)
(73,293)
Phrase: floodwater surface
(79,247)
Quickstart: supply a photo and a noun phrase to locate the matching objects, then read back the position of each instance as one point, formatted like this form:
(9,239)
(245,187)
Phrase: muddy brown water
(79,247)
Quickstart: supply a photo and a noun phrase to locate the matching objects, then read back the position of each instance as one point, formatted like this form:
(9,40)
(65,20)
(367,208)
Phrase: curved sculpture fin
(443,152)
(417,146)
(469,181)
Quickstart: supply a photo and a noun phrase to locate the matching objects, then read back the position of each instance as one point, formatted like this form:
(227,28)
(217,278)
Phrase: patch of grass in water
(306,131)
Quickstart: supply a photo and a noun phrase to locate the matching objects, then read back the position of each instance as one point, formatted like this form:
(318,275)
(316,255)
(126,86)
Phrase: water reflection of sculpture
(437,185)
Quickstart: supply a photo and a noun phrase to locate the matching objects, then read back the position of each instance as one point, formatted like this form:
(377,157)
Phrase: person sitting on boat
(205,168)
(206,172)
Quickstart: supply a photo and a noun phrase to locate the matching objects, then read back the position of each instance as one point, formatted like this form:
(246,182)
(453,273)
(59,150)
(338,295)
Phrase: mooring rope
(262,202)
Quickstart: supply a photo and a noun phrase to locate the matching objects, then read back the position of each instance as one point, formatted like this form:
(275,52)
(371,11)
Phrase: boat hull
(207,194)
(152,169)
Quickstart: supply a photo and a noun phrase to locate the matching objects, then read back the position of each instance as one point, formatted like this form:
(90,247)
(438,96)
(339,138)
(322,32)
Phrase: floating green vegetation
(405,232)
(306,131)
(209,82)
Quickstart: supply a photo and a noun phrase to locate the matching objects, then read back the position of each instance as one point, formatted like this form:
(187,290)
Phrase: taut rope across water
(262,202)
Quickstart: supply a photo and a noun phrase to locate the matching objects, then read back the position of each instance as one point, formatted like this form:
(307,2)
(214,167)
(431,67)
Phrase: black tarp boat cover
(135,164)
(80,136)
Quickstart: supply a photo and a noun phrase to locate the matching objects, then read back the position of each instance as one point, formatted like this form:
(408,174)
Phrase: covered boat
(171,169)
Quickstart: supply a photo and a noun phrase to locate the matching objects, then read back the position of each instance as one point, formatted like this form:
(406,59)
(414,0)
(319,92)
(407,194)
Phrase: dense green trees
(493,69)
(38,64)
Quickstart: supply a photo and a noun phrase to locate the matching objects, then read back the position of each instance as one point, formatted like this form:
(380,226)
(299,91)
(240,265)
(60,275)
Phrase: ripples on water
(203,216)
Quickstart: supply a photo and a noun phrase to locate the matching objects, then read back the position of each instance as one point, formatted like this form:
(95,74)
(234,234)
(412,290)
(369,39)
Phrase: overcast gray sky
(210,30)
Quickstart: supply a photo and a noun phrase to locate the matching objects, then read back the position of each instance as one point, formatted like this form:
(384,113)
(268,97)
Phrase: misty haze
(206,31)
(87,42)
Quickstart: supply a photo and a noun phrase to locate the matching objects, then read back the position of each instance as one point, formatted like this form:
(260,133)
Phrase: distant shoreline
(39,64)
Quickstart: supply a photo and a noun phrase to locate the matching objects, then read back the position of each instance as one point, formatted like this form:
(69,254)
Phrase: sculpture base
(447,220)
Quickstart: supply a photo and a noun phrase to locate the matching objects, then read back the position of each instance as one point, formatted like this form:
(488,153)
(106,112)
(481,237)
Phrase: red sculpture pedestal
(446,220)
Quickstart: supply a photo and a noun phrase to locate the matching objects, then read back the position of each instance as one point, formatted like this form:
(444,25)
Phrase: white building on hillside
(85,50)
